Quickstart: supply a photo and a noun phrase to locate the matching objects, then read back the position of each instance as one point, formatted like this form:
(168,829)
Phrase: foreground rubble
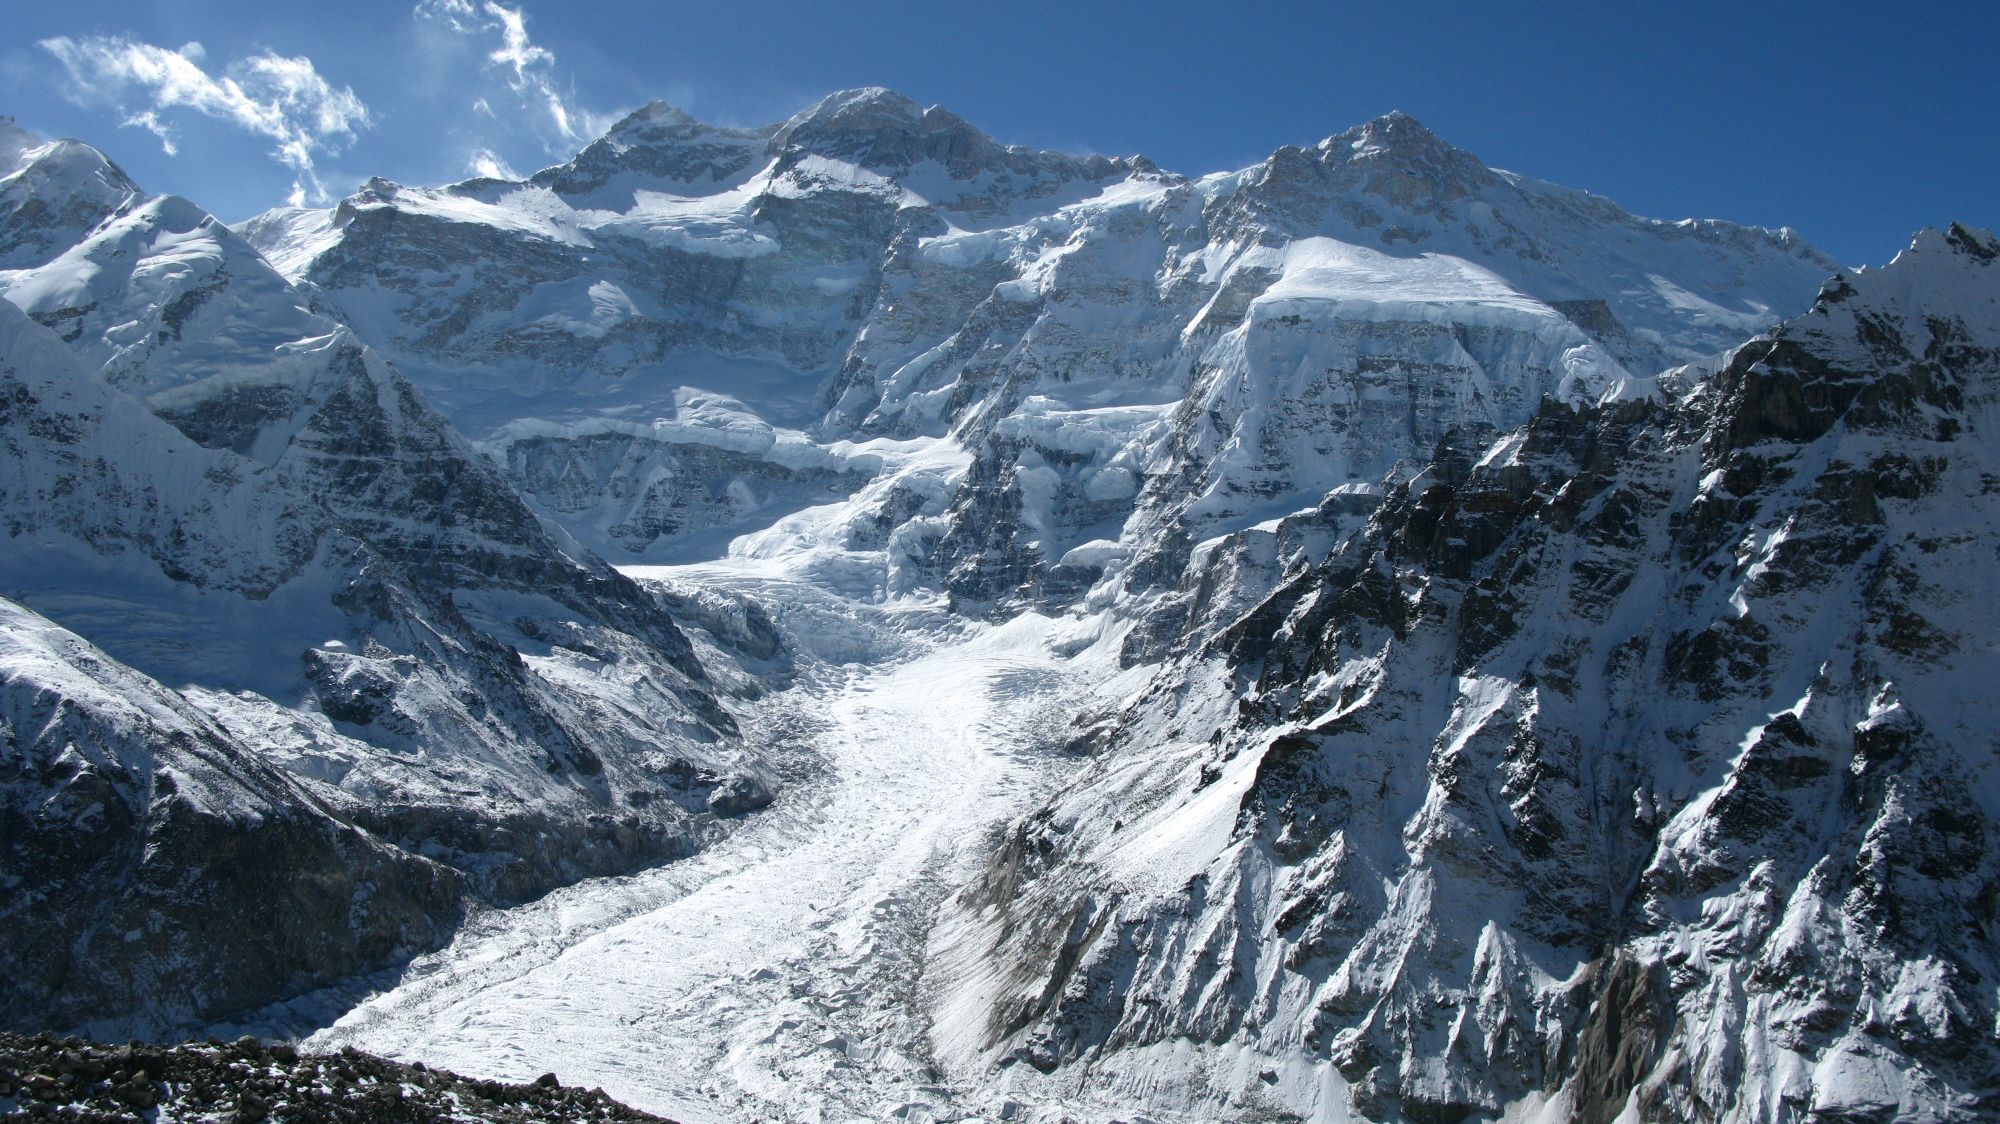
(48,1078)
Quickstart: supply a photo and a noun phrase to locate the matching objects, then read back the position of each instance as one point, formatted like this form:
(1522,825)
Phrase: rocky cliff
(1637,763)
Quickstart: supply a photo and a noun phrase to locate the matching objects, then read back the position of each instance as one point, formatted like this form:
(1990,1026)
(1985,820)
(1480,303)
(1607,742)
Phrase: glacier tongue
(779,973)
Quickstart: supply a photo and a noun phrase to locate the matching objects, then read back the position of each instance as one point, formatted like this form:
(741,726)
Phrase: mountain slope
(1659,726)
(225,491)
(684,333)
(1539,733)
(133,819)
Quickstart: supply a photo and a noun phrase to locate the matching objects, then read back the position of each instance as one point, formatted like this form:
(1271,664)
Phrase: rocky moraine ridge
(46,1078)
(1564,633)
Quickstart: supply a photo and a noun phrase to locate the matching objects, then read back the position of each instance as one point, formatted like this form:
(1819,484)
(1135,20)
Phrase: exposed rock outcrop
(46,1078)
(419,693)
(1638,760)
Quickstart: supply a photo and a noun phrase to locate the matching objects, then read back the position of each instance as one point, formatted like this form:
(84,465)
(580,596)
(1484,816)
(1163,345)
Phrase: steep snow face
(292,236)
(227,492)
(53,193)
(1637,764)
(1652,292)
(1234,346)
(669,260)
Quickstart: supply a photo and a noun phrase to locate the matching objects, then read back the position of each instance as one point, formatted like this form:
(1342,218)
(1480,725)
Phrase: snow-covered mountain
(688,332)
(1429,665)
(283,557)
(1637,764)
(152,859)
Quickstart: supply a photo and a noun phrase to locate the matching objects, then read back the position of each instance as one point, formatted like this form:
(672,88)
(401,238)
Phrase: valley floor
(775,975)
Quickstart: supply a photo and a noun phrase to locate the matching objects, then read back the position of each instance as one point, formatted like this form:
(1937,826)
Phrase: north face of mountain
(1639,760)
(689,332)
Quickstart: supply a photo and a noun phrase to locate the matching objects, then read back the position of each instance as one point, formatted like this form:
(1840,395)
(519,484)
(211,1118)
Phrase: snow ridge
(871,268)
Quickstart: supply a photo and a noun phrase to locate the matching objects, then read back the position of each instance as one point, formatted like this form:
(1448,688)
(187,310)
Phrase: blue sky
(1855,123)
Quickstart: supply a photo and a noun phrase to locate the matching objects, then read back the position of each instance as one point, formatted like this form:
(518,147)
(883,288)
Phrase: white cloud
(459,15)
(515,49)
(527,67)
(150,121)
(274,96)
(489,164)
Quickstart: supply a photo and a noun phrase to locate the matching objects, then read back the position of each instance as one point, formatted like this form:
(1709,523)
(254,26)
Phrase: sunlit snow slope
(674,337)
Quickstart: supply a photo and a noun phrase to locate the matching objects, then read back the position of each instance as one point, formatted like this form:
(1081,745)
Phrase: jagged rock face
(1640,760)
(225,490)
(130,818)
(1235,346)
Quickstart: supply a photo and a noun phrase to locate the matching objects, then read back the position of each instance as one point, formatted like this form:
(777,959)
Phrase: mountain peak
(1395,127)
(1394,157)
(882,129)
(655,113)
(1975,242)
(658,122)
(72,162)
(54,192)
(859,108)
(1396,137)
(1958,249)
(14,144)
(1943,287)
(659,142)
(855,120)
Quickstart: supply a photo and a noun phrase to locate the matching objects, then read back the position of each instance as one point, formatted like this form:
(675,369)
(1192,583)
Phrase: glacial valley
(852,620)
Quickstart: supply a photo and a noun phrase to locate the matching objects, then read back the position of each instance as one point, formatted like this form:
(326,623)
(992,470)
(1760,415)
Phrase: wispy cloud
(459,15)
(489,164)
(149,120)
(527,68)
(282,98)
